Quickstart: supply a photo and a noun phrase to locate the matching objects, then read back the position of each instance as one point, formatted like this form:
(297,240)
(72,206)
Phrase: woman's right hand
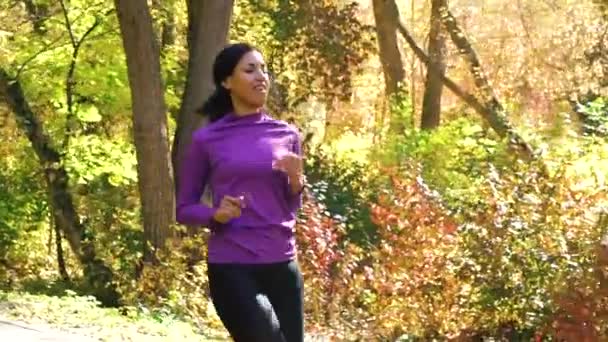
(230,207)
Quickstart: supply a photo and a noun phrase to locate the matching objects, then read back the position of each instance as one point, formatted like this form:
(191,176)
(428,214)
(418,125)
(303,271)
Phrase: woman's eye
(249,71)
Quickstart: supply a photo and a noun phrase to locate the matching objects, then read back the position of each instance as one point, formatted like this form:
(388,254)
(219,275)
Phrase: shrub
(345,187)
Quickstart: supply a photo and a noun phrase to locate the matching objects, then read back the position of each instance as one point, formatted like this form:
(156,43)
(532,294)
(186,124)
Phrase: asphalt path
(11,331)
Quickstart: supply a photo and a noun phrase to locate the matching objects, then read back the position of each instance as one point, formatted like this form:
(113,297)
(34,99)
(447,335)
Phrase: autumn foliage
(319,238)
(525,263)
(405,235)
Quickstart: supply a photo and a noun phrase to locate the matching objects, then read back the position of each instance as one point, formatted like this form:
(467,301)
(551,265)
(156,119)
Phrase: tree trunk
(149,123)
(167,24)
(431,103)
(387,17)
(168,35)
(412,79)
(64,214)
(60,259)
(54,227)
(497,120)
(208,25)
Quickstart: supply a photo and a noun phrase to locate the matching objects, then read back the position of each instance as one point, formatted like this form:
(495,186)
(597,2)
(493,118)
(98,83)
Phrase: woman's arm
(296,177)
(193,177)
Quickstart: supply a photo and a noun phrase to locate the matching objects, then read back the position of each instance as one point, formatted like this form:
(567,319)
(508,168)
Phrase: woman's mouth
(261,88)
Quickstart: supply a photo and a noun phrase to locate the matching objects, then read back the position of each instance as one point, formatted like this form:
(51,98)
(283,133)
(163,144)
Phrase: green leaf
(90,114)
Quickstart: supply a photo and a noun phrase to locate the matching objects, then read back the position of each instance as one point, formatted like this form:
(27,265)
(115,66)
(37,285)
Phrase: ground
(26,317)
(31,318)
(20,331)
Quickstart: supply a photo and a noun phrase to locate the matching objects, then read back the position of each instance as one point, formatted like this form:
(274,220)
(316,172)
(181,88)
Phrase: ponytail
(217,104)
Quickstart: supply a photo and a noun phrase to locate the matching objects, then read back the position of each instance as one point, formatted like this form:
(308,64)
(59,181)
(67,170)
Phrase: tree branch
(70,82)
(496,112)
(48,48)
(468,98)
(44,49)
(67,23)
(469,54)
(501,126)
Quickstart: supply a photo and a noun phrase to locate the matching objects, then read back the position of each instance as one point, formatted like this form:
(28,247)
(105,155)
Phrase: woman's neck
(241,109)
(246,111)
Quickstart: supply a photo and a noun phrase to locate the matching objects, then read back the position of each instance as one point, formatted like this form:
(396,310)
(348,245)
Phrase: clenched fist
(291,164)
(229,208)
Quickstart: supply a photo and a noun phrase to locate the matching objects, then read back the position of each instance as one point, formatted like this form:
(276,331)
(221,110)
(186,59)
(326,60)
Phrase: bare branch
(76,44)
(47,48)
(44,49)
(70,82)
(67,22)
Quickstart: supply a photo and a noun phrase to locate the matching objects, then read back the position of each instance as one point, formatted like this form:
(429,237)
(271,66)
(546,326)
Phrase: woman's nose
(261,75)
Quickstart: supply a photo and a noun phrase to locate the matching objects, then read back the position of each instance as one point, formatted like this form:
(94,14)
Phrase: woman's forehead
(252,57)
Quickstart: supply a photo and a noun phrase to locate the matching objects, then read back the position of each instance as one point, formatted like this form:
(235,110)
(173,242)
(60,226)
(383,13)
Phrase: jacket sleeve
(193,177)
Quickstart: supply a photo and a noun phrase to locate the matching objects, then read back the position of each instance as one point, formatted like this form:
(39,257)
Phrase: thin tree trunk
(387,17)
(413,82)
(167,24)
(62,204)
(54,228)
(49,243)
(60,259)
(431,103)
(208,25)
(70,82)
(168,34)
(149,123)
(497,120)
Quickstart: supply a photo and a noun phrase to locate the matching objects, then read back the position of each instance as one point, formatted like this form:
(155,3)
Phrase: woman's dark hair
(220,103)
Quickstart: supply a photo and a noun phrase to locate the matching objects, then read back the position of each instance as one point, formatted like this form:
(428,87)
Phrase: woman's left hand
(291,164)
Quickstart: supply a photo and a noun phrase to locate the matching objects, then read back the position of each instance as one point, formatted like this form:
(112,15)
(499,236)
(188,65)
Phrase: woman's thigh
(283,285)
(237,300)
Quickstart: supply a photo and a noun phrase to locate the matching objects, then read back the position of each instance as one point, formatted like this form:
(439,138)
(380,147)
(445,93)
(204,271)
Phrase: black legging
(259,303)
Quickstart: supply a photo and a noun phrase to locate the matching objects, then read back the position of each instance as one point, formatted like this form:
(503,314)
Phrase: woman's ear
(226,83)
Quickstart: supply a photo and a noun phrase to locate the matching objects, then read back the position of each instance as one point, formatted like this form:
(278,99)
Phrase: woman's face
(248,83)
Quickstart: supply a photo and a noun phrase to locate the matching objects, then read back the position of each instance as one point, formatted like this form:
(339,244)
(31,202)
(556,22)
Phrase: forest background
(456,157)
